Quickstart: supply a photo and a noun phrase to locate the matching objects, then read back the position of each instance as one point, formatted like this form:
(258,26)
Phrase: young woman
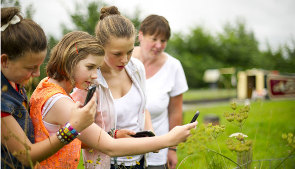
(122,81)
(73,63)
(166,83)
(23,49)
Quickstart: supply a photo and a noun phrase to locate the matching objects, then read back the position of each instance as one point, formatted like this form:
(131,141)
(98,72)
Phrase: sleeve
(180,84)
(4,114)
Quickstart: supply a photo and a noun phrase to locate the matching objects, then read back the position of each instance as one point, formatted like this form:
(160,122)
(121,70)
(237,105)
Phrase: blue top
(12,103)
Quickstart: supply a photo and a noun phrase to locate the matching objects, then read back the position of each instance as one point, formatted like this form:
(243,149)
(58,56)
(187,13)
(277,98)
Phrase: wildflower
(237,134)
(90,151)
(138,163)
(89,161)
(129,157)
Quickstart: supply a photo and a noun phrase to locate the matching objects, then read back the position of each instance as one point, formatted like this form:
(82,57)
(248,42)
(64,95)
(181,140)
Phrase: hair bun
(106,11)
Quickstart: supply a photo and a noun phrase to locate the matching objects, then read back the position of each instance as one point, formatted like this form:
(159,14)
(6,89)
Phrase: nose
(158,44)
(94,75)
(124,59)
(36,73)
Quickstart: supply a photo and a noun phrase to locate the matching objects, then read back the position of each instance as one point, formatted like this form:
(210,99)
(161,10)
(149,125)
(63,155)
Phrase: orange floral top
(68,156)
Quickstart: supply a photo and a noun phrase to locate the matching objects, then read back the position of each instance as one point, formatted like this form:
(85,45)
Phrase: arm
(132,146)
(175,118)
(16,141)
(97,138)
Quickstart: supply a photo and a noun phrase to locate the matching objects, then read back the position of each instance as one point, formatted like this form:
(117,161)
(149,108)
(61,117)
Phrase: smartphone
(144,134)
(90,93)
(195,116)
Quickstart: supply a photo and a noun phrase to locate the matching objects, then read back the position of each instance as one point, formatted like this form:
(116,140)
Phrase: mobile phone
(90,93)
(195,116)
(144,134)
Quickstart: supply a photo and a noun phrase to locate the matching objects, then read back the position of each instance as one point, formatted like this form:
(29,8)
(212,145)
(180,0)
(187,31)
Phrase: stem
(225,157)
(284,160)
(185,159)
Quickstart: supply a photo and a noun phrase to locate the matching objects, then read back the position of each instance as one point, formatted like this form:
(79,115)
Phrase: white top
(127,108)
(168,82)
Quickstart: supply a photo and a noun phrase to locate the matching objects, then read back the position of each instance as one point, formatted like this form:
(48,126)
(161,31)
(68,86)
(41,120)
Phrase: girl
(23,49)
(74,62)
(123,80)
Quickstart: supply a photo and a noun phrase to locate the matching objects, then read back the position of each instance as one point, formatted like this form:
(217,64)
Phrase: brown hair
(155,25)
(112,24)
(73,47)
(24,36)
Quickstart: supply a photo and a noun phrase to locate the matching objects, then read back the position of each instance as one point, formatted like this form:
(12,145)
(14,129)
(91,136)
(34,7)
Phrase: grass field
(208,94)
(266,122)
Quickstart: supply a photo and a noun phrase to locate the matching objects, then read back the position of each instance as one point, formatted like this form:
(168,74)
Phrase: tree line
(199,50)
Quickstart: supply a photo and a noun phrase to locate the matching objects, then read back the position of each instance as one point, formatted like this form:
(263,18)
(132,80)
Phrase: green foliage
(235,47)
(265,124)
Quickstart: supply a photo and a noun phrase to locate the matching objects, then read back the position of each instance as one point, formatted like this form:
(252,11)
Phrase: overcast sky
(272,21)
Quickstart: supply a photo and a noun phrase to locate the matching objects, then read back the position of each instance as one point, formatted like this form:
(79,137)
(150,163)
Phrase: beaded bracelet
(67,134)
(115,135)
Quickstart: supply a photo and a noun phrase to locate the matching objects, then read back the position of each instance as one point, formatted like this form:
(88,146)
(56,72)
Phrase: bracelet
(115,135)
(111,132)
(67,134)
(173,149)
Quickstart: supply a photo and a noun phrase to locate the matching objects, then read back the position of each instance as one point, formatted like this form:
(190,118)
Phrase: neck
(66,85)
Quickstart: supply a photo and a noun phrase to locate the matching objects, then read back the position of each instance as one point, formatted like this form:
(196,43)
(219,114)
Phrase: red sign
(281,86)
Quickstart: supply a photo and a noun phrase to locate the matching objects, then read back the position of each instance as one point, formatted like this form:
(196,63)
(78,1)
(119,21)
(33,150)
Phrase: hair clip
(76,48)
(14,20)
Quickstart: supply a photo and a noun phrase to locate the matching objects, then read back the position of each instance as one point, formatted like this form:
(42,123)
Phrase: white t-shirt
(168,82)
(127,109)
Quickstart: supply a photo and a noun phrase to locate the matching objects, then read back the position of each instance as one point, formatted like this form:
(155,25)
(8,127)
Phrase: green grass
(202,94)
(266,122)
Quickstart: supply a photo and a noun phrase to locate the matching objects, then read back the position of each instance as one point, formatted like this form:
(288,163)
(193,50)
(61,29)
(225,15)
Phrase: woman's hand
(123,133)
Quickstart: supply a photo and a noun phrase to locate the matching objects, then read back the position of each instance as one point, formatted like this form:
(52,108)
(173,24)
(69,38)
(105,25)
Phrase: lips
(120,67)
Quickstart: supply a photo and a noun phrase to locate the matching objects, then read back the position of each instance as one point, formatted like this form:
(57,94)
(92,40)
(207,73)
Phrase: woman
(165,84)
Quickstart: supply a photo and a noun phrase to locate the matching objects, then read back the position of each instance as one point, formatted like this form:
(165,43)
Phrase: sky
(272,21)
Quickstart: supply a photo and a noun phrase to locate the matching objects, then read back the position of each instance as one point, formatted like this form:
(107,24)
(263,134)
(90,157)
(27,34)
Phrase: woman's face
(118,52)
(85,72)
(22,69)
(151,45)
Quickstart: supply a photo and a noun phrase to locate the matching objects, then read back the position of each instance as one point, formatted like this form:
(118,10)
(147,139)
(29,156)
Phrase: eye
(117,54)
(90,67)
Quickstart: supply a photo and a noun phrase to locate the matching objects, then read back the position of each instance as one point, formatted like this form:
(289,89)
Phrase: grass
(204,94)
(266,122)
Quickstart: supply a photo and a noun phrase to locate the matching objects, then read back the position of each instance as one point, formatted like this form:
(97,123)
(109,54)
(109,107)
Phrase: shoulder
(136,63)
(173,61)
(136,52)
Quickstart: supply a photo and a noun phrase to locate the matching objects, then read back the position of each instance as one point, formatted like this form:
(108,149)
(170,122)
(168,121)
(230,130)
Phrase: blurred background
(228,45)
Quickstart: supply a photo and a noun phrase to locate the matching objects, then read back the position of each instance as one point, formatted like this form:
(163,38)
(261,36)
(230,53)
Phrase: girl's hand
(124,133)
(180,133)
(82,117)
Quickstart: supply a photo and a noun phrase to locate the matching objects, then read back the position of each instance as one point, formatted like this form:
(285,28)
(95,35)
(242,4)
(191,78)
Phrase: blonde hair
(73,47)
(112,24)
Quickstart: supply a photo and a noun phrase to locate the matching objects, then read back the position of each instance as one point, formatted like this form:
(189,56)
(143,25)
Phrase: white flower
(237,134)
